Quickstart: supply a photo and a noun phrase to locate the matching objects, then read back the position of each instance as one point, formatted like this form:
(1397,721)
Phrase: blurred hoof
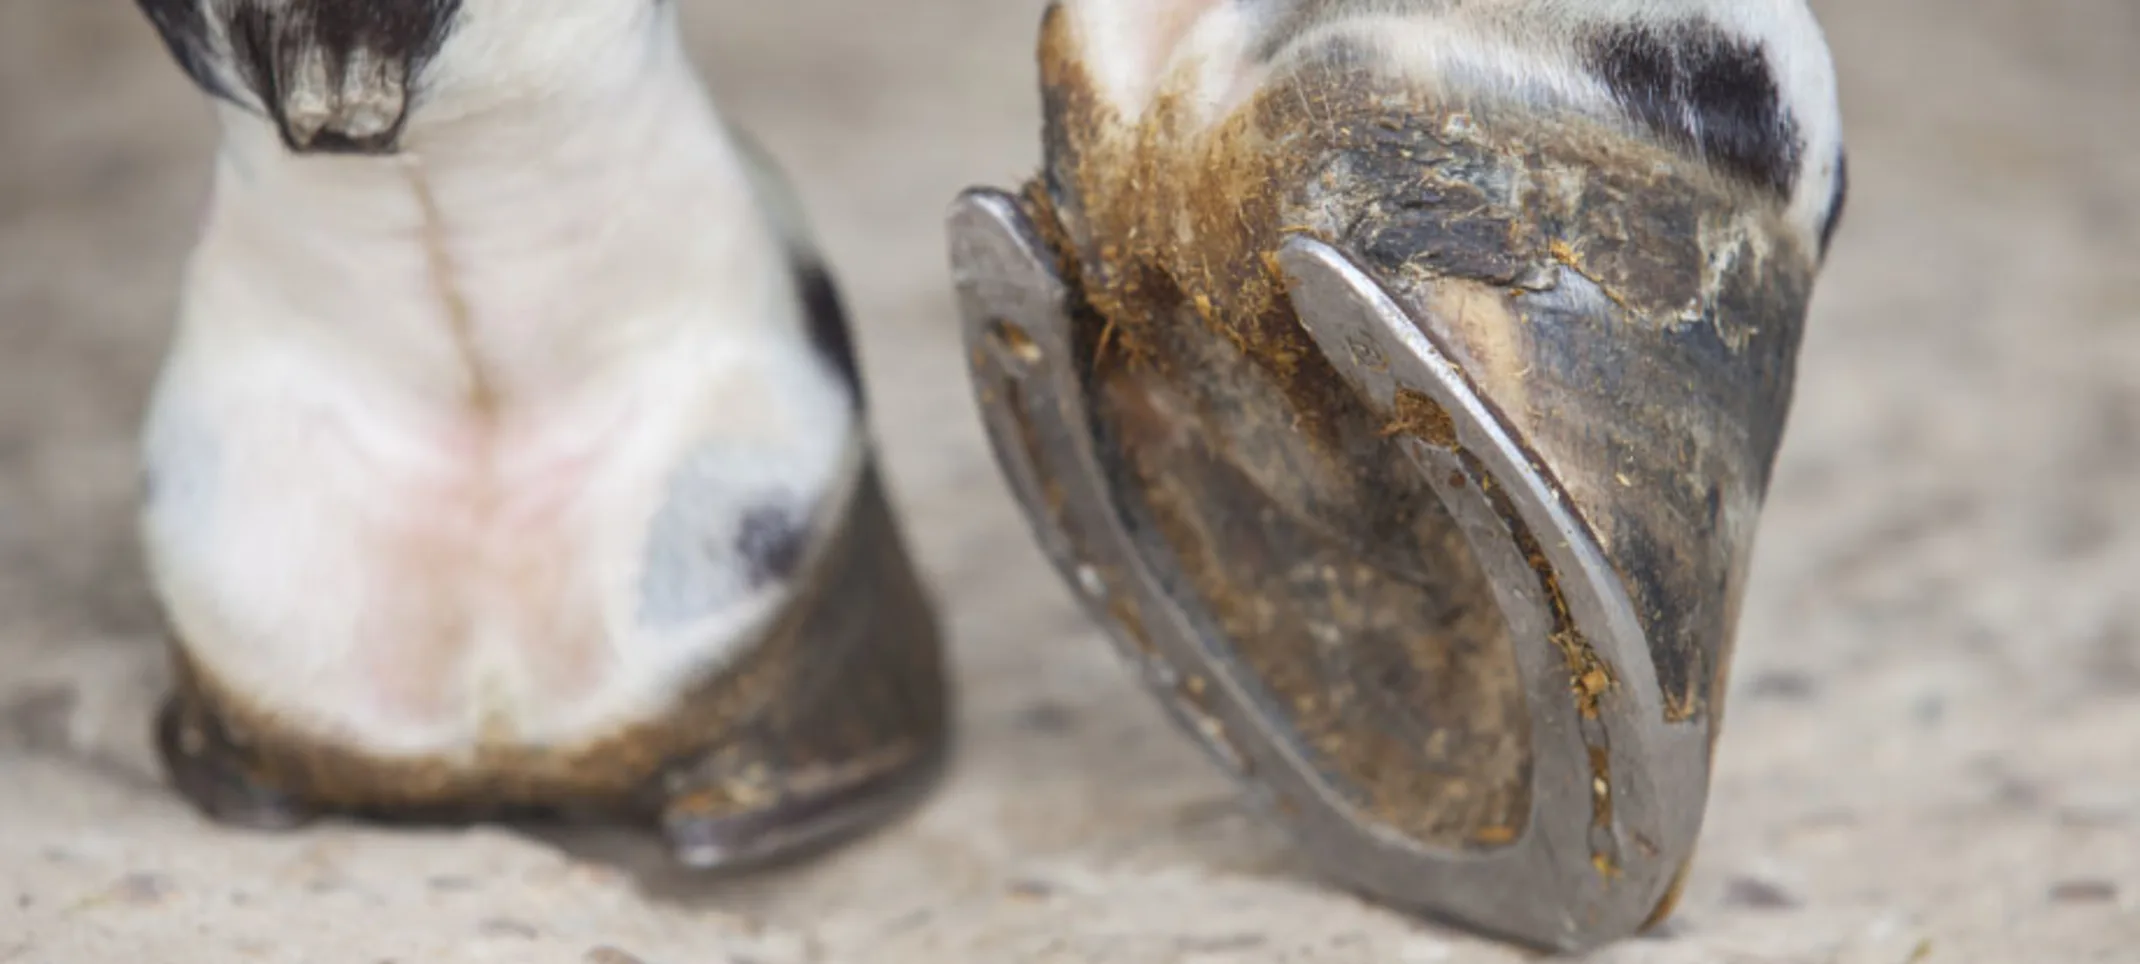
(515,463)
(834,723)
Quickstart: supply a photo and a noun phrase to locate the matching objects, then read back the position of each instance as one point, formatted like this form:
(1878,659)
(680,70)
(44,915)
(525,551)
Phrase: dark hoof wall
(211,773)
(860,730)
(797,826)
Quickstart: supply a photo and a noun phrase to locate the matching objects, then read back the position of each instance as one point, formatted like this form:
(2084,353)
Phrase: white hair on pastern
(512,425)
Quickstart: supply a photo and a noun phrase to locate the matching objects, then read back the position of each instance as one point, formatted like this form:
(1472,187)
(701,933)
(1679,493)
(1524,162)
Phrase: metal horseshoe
(1614,789)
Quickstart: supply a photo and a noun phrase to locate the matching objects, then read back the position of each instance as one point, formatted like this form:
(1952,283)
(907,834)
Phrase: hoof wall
(703,835)
(832,724)
(212,773)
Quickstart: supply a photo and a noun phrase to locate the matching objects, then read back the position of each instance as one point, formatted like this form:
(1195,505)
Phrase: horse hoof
(1411,443)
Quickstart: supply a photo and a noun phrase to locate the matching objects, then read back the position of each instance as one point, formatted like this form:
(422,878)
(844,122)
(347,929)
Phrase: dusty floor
(1935,748)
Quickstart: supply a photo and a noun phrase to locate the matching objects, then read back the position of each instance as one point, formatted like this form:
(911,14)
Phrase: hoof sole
(1423,662)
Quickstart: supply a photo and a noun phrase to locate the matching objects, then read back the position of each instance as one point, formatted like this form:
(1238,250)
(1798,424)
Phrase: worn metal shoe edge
(1561,884)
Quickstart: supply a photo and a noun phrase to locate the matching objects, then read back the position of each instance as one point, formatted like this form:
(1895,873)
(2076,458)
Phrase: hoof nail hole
(1013,342)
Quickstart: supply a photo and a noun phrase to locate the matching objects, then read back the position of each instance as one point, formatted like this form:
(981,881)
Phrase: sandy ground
(1935,748)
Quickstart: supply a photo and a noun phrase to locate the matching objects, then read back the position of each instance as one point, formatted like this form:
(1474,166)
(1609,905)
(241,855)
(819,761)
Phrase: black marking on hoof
(771,541)
(718,538)
(1702,89)
(209,770)
(184,29)
(312,51)
(827,318)
(272,42)
(1836,203)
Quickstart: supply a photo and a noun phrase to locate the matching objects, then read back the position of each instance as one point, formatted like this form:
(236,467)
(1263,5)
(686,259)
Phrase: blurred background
(1933,753)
